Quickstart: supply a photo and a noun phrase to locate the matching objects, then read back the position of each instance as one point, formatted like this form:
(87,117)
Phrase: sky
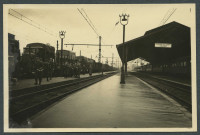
(55,18)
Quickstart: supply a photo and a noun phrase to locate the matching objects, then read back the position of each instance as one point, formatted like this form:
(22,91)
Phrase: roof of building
(65,51)
(174,33)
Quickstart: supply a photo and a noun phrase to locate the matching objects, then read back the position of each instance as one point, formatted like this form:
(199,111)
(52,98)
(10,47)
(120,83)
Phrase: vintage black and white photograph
(99,67)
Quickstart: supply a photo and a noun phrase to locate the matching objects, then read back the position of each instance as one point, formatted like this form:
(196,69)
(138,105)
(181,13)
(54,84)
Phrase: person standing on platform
(66,68)
(38,71)
(51,69)
(78,69)
(73,69)
(47,70)
(90,69)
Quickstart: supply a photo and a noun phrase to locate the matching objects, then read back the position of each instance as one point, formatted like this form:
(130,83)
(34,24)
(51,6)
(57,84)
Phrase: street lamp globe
(62,34)
(124,19)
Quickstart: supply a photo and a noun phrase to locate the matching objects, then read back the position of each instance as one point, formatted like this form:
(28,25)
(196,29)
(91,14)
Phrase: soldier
(90,69)
(38,70)
(47,70)
(51,68)
(73,69)
(83,69)
(69,70)
(78,70)
(65,71)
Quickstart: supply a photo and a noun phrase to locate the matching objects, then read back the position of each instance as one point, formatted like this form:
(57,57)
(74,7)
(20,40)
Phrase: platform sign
(163,45)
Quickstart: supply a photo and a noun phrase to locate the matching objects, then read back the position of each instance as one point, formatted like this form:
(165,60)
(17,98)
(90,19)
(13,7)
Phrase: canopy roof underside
(173,33)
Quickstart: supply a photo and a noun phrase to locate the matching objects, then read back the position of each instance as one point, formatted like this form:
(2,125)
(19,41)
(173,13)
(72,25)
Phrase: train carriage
(44,52)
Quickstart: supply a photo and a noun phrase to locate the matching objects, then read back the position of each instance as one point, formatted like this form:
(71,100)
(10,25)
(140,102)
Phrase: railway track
(25,103)
(179,91)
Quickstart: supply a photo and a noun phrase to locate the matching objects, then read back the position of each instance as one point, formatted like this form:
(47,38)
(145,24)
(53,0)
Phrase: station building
(13,53)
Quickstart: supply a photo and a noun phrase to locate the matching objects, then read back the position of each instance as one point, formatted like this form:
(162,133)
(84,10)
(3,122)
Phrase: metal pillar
(62,36)
(126,53)
(123,61)
(57,59)
(123,21)
(61,53)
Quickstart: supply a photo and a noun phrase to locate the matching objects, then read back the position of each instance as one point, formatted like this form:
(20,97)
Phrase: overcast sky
(104,17)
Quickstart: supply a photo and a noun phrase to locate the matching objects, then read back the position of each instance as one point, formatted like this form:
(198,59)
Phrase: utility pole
(99,49)
(57,54)
(80,52)
(100,54)
(57,45)
(112,59)
(116,63)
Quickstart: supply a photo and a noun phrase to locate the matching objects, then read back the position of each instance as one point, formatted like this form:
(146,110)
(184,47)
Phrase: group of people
(45,69)
(75,69)
(72,69)
(41,68)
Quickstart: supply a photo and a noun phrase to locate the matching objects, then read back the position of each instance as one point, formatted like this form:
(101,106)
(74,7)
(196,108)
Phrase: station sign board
(163,45)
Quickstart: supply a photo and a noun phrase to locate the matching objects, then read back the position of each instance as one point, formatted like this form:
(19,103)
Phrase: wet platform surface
(109,104)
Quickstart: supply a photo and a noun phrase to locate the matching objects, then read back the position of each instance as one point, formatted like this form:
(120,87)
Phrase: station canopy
(159,45)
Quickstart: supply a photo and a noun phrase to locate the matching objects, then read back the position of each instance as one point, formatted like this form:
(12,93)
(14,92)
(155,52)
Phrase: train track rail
(25,104)
(179,91)
(26,93)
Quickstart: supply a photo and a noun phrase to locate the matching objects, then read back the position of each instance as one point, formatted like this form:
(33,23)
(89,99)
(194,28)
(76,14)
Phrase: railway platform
(29,83)
(109,104)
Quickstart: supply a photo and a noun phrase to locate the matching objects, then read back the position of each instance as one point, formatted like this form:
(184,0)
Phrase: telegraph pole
(112,59)
(57,54)
(100,54)
(57,45)
(116,63)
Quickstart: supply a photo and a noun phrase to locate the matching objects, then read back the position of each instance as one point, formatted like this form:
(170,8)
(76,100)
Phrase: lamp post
(62,36)
(124,22)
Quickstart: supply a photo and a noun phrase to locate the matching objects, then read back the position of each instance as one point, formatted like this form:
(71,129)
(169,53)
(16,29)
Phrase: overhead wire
(161,22)
(38,26)
(168,14)
(86,17)
(87,21)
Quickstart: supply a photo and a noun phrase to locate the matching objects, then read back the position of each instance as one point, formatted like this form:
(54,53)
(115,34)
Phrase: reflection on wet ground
(108,104)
